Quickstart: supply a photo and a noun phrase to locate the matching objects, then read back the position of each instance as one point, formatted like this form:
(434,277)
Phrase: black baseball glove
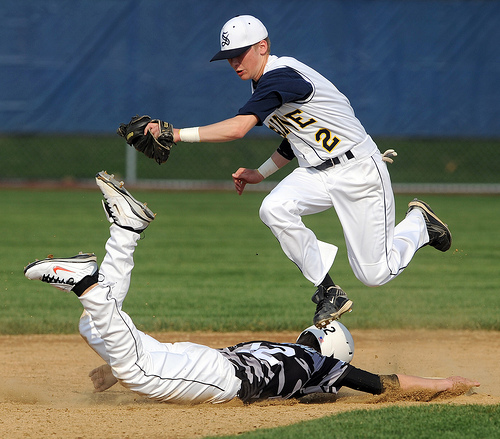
(154,148)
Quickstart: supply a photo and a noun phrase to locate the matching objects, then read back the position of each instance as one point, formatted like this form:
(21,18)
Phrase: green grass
(428,421)
(207,262)
(78,157)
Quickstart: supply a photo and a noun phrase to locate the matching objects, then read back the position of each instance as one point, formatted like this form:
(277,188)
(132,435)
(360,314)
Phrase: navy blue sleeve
(274,89)
(285,150)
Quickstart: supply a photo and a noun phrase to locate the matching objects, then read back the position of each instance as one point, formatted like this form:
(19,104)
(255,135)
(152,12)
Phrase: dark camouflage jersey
(282,370)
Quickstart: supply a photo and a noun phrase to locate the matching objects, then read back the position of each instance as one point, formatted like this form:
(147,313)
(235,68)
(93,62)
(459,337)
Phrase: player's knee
(268,211)
(85,325)
(370,282)
(372,276)
(278,214)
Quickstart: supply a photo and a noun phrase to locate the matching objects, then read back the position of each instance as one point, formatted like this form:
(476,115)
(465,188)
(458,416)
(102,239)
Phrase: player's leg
(162,371)
(186,372)
(363,198)
(128,217)
(91,335)
(126,214)
(364,203)
(301,193)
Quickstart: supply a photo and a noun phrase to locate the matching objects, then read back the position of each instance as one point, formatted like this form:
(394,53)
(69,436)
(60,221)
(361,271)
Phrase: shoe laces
(330,296)
(111,209)
(51,279)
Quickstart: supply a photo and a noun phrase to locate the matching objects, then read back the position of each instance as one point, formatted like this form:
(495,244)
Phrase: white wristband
(191,135)
(267,168)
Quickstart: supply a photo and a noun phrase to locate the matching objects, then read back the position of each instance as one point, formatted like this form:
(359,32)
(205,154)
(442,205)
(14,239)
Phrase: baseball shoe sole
(439,233)
(121,207)
(331,304)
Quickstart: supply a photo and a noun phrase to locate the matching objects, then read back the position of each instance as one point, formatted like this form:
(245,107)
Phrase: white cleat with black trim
(62,273)
(121,207)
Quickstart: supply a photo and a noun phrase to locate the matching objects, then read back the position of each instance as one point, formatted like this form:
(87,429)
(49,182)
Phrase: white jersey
(304,107)
(339,166)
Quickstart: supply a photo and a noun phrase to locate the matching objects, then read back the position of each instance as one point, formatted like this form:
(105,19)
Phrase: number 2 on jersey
(326,139)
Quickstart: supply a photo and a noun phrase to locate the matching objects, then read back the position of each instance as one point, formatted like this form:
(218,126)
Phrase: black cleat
(439,233)
(331,304)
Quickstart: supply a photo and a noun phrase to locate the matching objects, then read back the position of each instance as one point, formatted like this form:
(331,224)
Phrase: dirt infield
(45,391)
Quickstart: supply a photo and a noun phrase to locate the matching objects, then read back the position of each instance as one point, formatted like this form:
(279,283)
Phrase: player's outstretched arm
(225,131)
(102,378)
(409,383)
(368,382)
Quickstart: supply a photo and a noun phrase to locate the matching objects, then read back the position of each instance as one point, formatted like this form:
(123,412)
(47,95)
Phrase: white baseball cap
(239,34)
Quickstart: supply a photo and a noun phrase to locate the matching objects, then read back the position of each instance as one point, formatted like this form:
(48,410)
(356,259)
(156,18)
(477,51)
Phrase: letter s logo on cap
(225,39)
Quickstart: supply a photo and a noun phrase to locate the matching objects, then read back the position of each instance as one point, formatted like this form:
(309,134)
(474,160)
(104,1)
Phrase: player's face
(250,64)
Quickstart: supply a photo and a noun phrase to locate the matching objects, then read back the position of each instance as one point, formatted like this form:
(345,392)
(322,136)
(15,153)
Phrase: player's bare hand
(457,382)
(244,176)
(102,378)
(153,128)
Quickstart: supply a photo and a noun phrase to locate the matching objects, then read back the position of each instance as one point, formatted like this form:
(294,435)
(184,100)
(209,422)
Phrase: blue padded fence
(409,68)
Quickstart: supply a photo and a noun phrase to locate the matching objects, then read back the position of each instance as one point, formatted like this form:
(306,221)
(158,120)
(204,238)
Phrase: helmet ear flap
(309,339)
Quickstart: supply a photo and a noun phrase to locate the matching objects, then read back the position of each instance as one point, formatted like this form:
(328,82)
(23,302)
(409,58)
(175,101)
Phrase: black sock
(327,282)
(86,282)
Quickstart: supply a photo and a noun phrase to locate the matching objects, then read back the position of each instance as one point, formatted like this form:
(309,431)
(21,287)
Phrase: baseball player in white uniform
(340,166)
(188,372)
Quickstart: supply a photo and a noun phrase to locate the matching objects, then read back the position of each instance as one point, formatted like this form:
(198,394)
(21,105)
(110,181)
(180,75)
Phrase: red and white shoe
(63,273)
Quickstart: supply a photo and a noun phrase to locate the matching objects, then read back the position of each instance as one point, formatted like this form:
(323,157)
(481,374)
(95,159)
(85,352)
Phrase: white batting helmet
(334,340)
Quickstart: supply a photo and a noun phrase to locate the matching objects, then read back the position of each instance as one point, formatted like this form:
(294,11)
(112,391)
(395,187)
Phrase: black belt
(332,162)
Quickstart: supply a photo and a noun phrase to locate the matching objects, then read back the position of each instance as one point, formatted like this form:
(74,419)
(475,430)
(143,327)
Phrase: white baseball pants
(360,191)
(180,372)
